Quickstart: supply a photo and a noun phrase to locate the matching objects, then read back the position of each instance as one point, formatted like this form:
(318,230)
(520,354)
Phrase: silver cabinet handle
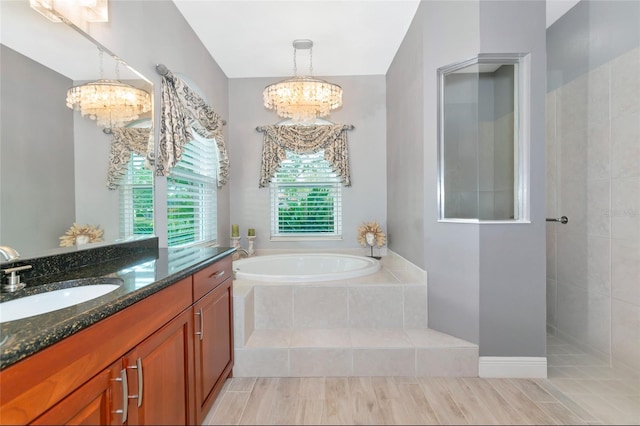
(563,220)
(201,332)
(217,274)
(125,395)
(138,367)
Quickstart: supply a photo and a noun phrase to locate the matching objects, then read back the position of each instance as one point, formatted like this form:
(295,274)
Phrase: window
(306,198)
(136,199)
(191,195)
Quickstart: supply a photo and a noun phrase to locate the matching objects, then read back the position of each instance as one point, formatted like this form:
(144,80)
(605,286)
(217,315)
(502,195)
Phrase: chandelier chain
(295,64)
(310,61)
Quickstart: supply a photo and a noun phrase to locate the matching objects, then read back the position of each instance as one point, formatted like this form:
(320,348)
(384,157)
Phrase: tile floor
(580,389)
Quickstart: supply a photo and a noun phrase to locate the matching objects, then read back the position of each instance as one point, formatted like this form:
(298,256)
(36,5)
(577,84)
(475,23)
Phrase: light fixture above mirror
(303,98)
(77,12)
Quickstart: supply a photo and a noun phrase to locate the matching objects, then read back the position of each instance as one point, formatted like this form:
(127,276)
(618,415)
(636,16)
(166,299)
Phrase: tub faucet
(240,253)
(8,253)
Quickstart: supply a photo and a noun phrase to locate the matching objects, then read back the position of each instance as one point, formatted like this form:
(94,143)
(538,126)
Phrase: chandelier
(110,102)
(302,98)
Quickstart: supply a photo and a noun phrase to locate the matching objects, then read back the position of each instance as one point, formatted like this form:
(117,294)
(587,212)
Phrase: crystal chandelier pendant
(302,98)
(111,103)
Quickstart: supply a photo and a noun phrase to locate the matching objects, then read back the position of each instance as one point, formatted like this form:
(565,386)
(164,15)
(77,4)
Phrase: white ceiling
(254,38)
(247,38)
(351,37)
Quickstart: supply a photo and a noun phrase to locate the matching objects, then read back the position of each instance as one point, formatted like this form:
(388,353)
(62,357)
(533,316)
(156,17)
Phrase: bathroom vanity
(155,351)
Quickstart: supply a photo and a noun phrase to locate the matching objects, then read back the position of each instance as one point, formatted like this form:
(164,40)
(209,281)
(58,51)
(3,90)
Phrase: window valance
(305,139)
(184,111)
(124,141)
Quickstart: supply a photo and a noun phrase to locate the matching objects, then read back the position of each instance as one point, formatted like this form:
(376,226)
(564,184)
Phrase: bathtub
(304,267)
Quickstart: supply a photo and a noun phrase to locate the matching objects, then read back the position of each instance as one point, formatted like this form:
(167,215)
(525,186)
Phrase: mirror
(483,137)
(53,161)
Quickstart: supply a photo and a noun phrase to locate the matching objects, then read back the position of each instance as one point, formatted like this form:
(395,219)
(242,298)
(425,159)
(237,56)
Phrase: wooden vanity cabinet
(160,376)
(174,355)
(94,403)
(213,345)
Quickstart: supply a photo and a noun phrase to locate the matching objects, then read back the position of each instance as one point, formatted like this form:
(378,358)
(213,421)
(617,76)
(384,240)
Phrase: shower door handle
(563,220)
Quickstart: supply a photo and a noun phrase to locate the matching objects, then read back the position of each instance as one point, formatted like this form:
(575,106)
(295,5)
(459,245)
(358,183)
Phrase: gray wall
(36,152)
(512,259)
(593,166)
(146,33)
(365,200)
(485,281)
(405,147)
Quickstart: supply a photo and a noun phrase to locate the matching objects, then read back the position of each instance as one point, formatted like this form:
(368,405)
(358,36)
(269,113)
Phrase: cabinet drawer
(210,277)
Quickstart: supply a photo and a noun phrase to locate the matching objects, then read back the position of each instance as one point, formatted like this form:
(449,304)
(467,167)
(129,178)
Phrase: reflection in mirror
(53,161)
(483,142)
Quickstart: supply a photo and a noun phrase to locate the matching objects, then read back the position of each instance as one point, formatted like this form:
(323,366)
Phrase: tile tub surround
(368,326)
(141,277)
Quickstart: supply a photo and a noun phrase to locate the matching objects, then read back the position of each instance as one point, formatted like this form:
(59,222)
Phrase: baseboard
(512,367)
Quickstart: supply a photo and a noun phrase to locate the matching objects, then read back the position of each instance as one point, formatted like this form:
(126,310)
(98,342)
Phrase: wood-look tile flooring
(580,390)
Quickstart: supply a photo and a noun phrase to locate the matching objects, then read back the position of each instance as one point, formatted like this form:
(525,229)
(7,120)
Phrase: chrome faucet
(8,253)
(242,251)
(13,281)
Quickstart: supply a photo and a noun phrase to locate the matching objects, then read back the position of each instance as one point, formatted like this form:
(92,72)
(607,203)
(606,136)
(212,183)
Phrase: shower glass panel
(483,143)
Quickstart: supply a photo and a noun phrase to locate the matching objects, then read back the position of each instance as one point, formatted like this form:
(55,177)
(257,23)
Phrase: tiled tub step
(355,352)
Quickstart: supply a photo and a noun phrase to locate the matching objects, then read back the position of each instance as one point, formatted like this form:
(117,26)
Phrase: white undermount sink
(50,301)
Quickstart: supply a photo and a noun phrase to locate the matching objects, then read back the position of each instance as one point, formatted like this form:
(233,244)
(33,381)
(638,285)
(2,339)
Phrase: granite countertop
(140,277)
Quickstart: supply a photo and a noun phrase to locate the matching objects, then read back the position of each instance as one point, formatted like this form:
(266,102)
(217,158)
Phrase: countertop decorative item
(370,234)
(81,234)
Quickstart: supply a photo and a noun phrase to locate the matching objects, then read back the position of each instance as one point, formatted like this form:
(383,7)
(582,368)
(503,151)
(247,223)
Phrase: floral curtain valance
(184,111)
(305,139)
(124,141)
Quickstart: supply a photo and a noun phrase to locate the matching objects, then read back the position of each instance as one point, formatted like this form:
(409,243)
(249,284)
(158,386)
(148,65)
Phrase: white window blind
(136,199)
(306,198)
(191,195)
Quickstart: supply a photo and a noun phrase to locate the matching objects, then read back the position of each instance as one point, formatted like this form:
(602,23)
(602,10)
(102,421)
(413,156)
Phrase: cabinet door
(213,345)
(94,403)
(160,375)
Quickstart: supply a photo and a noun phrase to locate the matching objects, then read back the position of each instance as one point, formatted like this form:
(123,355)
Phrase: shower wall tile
(598,96)
(573,156)
(551,250)
(572,313)
(598,322)
(551,301)
(572,202)
(598,266)
(625,209)
(625,270)
(572,112)
(273,307)
(598,202)
(625,337)
(551,157)
(593,177)
(598,145)
(320,307)
(572,257)
(625,83)
(625,145)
